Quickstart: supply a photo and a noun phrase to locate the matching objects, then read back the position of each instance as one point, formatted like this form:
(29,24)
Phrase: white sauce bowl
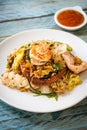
(75,8)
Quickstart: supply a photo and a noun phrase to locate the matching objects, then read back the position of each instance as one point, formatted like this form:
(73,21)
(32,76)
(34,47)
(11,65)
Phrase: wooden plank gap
(18,19)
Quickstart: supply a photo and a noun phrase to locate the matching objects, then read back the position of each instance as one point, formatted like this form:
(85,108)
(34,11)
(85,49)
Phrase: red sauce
(70,18)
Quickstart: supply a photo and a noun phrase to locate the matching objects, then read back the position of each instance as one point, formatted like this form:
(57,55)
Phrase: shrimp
(40,54)
(70,62)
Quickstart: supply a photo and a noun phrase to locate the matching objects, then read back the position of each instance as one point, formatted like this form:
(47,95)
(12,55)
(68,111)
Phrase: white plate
(27,101)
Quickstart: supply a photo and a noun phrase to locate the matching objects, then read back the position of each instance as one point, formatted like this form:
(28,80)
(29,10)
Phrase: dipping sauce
(70,18)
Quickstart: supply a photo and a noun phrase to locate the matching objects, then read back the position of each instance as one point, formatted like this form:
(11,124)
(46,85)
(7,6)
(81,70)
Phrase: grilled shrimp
(40,54)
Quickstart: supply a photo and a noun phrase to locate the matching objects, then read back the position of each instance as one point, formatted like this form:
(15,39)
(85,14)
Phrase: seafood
(70,61)
(40,54)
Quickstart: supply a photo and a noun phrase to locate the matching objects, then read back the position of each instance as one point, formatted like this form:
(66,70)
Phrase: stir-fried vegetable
(18,58)
(69,48)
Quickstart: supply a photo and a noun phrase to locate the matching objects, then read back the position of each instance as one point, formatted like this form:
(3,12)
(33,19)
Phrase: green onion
(8,66)
(47,76)
(28,58)
(58,67)
(69,48)
(49,95)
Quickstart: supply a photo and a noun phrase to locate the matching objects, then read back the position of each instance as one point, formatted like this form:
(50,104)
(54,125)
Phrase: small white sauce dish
(75,8)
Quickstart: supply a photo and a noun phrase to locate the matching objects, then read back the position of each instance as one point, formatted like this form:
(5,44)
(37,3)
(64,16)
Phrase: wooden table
(19,15)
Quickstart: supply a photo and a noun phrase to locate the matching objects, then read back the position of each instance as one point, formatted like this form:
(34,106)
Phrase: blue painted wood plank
(14,9)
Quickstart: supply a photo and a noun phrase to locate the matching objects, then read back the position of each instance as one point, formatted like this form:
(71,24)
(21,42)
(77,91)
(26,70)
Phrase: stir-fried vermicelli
(43,67)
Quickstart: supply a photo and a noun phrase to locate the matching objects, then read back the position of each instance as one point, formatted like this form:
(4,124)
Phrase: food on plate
(44,67)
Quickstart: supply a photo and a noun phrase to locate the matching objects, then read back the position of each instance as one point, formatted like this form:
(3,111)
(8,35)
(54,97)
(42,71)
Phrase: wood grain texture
(19,15)
(14,9)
